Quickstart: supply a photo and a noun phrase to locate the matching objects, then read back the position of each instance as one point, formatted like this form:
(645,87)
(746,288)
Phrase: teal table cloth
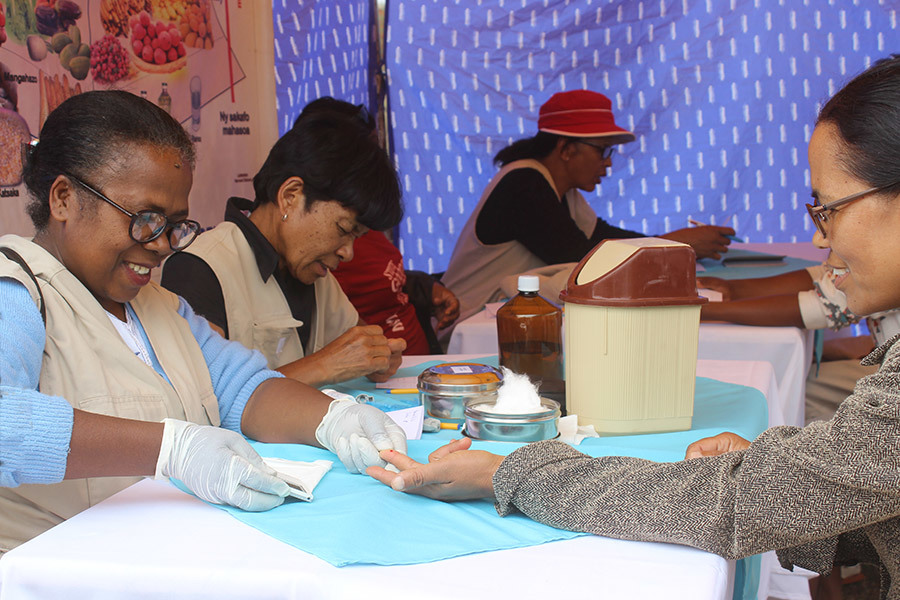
(356,520)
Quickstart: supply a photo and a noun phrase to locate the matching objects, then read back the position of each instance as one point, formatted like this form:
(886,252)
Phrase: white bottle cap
(529,283)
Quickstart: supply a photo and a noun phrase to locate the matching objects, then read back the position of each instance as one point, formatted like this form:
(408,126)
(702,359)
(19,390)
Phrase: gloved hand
(357,432)
(219,466)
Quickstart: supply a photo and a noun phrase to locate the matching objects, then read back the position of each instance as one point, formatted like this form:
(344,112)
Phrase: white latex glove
(357,432)
(219,466)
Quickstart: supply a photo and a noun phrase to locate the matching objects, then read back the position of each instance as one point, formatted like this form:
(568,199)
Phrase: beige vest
(476,270)
(257,312)
(86,362)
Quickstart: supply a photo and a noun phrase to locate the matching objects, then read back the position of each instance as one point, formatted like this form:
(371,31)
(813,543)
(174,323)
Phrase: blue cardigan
(35,428)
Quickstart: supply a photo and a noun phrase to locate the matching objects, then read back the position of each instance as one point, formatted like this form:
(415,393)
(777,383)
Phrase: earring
(284,217)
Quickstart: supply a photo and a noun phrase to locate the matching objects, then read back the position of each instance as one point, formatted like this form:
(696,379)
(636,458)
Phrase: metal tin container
(498,427)
(444,388)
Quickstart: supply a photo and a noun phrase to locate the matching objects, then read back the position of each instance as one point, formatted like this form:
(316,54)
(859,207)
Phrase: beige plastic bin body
(631,370)
(631,333)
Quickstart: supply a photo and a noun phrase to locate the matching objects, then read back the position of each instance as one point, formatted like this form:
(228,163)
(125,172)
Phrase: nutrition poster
(207,62)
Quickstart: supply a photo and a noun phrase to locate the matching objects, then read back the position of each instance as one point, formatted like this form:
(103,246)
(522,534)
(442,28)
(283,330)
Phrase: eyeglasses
(147,225)
(819,212)
(606,152)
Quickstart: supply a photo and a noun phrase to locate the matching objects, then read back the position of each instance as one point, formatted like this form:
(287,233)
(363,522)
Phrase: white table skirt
(154,541)
(787,349)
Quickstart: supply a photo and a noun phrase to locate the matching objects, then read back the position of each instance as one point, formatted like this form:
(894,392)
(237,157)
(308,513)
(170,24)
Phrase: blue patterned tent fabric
(322,48)
(722,96)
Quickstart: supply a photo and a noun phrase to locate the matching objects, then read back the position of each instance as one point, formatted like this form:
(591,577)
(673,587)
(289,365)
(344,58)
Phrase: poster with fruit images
(209,63)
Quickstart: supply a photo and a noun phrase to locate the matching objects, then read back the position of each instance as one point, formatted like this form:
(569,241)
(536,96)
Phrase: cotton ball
(517,396)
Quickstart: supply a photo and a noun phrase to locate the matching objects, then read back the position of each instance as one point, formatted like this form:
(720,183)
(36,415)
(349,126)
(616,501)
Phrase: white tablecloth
(154,541)
(787,349)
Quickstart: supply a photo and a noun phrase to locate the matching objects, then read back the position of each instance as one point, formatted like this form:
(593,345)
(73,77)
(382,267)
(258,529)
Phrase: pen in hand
(733,238)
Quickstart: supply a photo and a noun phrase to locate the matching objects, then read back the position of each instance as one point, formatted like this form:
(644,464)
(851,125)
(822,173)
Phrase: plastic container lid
(460,378)
(529,283)
(635,272)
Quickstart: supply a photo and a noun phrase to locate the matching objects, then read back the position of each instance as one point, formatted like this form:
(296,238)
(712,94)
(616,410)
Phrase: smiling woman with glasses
(108,377)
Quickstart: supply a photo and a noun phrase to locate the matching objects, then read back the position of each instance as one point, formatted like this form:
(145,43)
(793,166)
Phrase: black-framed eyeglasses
(147,225)
(606,152)
(819,212)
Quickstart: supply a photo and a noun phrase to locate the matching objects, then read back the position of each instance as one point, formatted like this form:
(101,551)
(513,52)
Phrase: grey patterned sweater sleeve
(791,488)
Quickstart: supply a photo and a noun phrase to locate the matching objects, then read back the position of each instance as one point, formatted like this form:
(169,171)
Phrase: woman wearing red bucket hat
(532,213)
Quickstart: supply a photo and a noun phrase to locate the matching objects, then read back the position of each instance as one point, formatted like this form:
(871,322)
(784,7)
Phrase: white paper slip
(713,295)
(572,433)
(301,477)
(410,420)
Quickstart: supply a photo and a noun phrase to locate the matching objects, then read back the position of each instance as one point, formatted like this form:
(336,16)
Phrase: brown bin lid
(635,272)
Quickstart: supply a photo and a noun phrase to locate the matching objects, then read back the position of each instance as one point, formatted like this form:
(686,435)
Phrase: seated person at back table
(401,302)
(265,279)
(531,214)
(806,298)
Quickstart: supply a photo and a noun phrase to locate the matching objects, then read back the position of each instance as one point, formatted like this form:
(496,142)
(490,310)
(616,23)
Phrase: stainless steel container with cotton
(462,392)
(631,333)
(483,423)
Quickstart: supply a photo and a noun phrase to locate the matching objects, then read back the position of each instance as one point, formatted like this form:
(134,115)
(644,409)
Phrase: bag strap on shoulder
(16,258)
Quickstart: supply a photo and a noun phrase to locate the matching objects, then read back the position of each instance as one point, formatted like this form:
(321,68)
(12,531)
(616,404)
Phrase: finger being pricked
(453,473)
(430,480)
(390,478)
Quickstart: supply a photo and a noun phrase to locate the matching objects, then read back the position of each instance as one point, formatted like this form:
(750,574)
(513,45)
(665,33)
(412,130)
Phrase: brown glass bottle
(529,331)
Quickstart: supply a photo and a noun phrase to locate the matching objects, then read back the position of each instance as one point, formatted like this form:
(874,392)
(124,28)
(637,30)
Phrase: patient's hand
(453,472)
(716,445)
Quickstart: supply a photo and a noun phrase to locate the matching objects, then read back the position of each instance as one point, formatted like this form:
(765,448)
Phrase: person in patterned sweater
(823,495)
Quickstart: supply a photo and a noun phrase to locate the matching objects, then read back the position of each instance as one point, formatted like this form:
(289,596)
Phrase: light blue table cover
(356,520)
